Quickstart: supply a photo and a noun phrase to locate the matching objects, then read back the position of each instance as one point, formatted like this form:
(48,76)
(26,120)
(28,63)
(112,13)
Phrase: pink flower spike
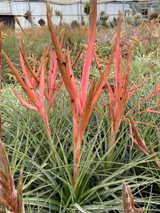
(55,40)
(27,78)
(29,92)
(52,60)
(70,84)
(34,71)
(52,72)
(89,55)
(118,63)
(42,79)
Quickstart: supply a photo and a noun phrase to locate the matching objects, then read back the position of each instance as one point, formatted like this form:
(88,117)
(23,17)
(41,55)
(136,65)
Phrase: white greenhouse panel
(38,9)
(101,7)
(70,12)
(5,8)
(19,8)
(113,9)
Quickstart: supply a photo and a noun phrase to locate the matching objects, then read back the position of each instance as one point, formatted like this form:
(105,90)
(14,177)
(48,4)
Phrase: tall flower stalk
(81,104)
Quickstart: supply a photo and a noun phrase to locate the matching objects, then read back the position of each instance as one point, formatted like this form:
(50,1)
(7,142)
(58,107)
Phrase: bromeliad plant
(39,84)
(33,79)
(81,104)
(118,96)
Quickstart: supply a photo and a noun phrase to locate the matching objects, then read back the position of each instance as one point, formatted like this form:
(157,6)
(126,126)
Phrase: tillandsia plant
(10,199)
(119,94)
(39,84)
(81,104)
(128,201)
(33,79)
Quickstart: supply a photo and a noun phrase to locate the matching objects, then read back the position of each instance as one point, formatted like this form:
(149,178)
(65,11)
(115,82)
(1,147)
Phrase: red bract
(81,104)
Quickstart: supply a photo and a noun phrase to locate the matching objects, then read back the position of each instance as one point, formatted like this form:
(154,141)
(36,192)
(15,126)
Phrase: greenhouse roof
(67,2)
